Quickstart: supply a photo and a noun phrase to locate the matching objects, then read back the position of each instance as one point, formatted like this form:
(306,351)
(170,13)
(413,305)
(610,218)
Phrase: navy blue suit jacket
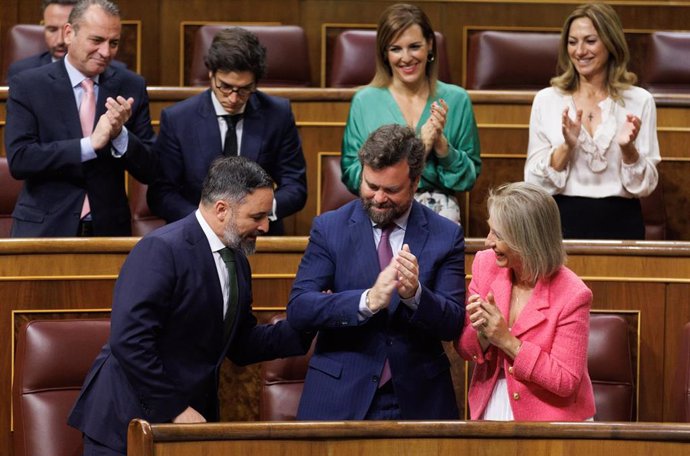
(166,343)
(349,355)
(39,60)
(42,142)
(189,140)
(34,61)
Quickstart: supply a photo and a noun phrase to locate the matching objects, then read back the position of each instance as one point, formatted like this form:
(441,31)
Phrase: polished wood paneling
(409,438)
(161,19)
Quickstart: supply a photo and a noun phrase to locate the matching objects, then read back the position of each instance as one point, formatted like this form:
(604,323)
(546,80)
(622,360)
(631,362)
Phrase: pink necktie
(385,253)
(87,113)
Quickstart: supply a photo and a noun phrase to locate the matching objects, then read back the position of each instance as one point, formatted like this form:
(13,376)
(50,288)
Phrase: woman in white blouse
(592,135)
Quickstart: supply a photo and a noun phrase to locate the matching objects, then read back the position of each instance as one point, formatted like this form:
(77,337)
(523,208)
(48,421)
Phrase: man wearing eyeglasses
(231,118)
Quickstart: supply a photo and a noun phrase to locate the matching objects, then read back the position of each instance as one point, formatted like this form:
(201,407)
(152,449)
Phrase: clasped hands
(402,274)
(487,320)
(118,111)
(432,130)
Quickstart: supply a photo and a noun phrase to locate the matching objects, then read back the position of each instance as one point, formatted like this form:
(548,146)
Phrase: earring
(430,57)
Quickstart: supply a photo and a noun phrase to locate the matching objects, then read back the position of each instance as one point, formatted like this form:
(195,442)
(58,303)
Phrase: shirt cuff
(272,216)
(413,302)
(364,312)
(87,150)
(119,144)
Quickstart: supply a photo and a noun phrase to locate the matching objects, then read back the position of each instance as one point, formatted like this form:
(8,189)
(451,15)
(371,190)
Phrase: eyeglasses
(228,90)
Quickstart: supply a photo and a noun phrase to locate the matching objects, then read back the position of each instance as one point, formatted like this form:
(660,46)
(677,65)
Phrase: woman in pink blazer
(527,319)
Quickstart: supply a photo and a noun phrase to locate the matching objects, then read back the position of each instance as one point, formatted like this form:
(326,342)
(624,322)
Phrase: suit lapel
(361,239)
(417,231)
(501,288)
(416,236)
(532,314)
(200,249)
(207,129)
(62,96)
(252,130)
(107,87)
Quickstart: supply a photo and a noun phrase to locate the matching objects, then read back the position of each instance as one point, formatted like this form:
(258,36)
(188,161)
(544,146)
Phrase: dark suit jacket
(349,355)
(42,141)
(189,141)
(166,343)
(38,60)
(34,61)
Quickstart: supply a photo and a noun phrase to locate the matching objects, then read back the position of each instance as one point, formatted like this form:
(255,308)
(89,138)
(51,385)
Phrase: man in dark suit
(176,314)
(55,16)
(381,321)
(73,170)
(231,118)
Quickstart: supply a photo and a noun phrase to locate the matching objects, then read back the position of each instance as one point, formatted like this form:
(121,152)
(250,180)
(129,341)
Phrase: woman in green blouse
(405,91)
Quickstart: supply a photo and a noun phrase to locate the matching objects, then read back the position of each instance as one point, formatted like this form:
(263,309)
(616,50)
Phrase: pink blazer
(548,380)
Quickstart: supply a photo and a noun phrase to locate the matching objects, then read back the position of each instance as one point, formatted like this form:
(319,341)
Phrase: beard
(391,211)
(234,240)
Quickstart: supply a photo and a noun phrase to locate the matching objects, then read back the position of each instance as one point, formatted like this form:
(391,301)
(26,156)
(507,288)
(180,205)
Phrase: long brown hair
(610,30)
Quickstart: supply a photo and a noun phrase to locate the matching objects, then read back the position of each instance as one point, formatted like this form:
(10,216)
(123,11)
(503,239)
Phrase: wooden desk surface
(409,438)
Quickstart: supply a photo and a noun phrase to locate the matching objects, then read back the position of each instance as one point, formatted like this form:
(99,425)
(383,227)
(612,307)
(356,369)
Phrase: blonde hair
(394,21)
(610,30)
(529,222)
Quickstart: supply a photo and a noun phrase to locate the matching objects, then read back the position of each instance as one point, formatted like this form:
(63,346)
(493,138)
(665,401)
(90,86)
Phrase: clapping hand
(486,318)
(118,111)
(571,128)
(408,273)
(432,131)
(380,294)
(629,131)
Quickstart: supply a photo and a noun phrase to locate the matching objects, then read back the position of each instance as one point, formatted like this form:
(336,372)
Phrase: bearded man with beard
(182,303)
(383,282)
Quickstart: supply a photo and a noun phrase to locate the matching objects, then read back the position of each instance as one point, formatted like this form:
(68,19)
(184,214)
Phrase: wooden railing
(60,278)
(503,119)
(409,438)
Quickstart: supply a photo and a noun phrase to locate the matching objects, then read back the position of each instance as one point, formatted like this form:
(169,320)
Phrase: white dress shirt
(119,143)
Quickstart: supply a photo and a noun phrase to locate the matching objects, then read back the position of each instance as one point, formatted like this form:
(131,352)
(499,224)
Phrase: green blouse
(373,107)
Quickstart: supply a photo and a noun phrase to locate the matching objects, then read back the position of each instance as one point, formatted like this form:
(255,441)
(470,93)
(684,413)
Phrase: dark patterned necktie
(230,146)
(385,253)
(228,257)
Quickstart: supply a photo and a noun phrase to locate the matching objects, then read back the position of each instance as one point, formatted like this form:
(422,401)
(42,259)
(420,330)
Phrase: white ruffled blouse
(597,169)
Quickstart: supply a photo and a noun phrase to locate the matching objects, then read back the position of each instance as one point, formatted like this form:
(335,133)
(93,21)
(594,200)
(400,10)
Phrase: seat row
(45,386)
(494,59)
(331,194)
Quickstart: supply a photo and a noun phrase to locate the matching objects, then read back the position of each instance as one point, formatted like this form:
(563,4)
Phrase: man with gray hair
(73,128)
(182,303)
(383,283)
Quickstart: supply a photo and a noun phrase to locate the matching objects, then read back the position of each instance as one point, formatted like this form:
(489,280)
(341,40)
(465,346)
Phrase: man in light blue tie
(393,272)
